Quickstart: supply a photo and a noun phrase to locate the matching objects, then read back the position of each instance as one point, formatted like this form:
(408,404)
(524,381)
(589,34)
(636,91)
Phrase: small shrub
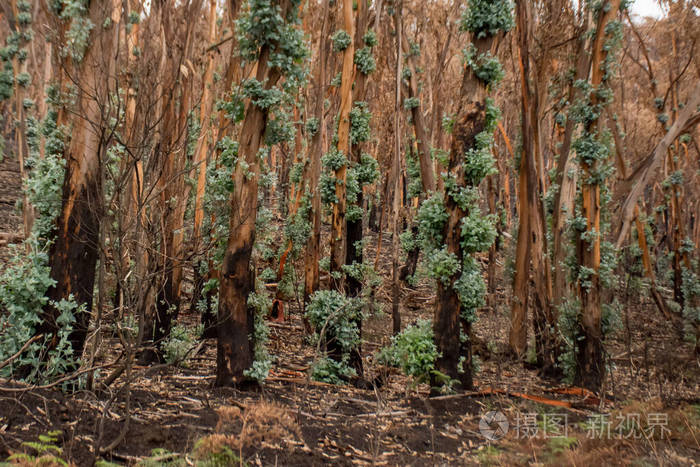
(179,344)
(413,350)
(334,318)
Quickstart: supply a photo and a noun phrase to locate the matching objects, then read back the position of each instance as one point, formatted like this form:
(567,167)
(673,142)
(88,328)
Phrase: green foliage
(262,25)
(432,217)
(479,162)
(341,40)
(370,38)
(329,371)
(364,59)
(442,265)
(414,187)
(23,79)
(337,79)
(691,302)
(331,161)
(463,196)
(487,17)
(261,302)
(478,231)
(471,289)
(179,343)
(411,103)
(312,126)
(333,314)
(44,191)
(359,123)
(485,66)
(26,277)
(217,196)
(261,96)
(7,82)
(367,171)
(413,350)
(334,159)
(334,318)
(590,149)
(78,34)
(47,451)
(280,129)
(569,315)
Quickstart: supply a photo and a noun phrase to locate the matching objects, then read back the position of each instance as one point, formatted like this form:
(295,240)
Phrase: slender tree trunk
(338,227)
(235,345)
(396,167)
(531,234)
(353,254)
(565,179)
(590,368)
(313,251)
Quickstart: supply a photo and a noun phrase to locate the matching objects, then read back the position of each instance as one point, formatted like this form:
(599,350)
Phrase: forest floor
(649,416)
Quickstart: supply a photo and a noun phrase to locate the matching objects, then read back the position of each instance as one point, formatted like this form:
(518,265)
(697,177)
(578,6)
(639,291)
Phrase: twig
(57,382)
(19,352)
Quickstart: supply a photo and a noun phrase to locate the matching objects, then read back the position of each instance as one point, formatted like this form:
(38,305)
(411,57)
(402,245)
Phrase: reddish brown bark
(338,227)
(311,270)
(74,253)
(590,361)
(235,344)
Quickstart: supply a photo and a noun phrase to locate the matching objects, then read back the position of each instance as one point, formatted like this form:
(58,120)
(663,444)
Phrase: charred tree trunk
(73,255)
(452,329)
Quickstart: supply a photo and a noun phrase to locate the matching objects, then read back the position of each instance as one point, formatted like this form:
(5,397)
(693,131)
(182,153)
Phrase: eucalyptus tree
(451,225)
(588,225)
(269,39)
(337,160)
(86,39)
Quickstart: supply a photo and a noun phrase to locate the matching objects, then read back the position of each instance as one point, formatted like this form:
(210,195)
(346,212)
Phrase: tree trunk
(338,227)
(449,325)
(73,255)
(590,361)
(396,173)
(313,249)
(532,222)
(235,343)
